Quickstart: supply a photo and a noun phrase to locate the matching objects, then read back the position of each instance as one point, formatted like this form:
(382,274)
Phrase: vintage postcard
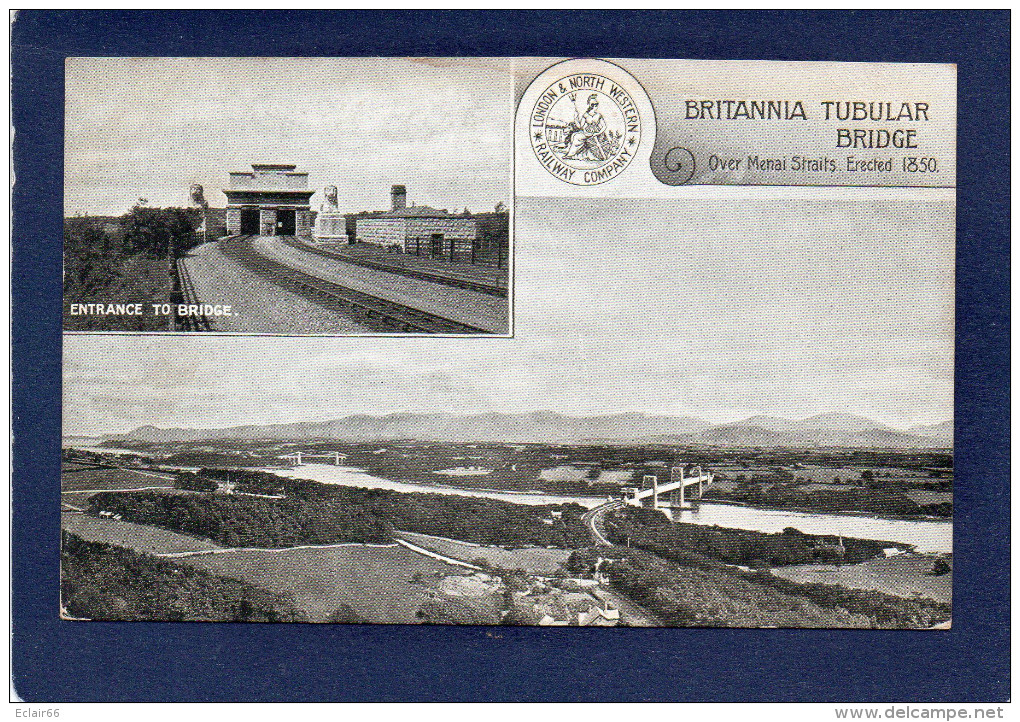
(702,377)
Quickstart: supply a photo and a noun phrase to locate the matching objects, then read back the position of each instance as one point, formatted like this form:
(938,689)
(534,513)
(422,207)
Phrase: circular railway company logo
(585,129)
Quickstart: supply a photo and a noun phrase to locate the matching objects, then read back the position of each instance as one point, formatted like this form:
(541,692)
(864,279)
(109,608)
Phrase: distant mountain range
(830,429)
(942,433)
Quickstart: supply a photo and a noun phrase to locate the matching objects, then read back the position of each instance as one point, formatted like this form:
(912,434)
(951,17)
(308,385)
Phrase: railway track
(189,323)
(593,520)
(376,313)
(455,281)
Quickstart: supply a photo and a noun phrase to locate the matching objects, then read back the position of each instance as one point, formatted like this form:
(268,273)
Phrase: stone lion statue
(330,193)
(197,194)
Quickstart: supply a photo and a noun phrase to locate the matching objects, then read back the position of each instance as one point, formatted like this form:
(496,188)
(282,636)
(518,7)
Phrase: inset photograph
(288,196)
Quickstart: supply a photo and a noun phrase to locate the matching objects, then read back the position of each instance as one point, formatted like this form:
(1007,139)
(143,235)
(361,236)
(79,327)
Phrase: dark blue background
(56,661)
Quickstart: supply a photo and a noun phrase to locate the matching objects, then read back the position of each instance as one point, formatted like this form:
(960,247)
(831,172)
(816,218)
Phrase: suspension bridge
(298,458)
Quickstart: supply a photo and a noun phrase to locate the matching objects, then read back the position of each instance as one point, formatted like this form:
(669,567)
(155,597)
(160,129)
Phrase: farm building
(270,200)
(419,230)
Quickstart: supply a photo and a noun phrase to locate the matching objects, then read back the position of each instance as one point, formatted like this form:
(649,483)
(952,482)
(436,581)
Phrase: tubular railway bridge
(676,487)
(376,313)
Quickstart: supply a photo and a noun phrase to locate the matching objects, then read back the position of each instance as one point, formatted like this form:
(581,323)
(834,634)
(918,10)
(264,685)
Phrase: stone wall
(304,219)
(458,236)
(414,235)
(268,181)
(267,221)
(233,221)
(331,225)
(381,231)
(303,224)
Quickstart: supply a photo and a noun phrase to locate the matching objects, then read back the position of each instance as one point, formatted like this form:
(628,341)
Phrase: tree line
(692,544)
(246,522)
(869,500)
(705,596)
(124,259)
(314,513)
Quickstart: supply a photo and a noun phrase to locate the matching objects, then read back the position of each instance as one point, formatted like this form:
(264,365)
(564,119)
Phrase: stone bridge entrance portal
(285,222)
(250,221)
(270,200)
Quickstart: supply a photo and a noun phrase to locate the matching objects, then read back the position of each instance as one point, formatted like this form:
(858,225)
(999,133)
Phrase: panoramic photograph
(296,196)
(724,417)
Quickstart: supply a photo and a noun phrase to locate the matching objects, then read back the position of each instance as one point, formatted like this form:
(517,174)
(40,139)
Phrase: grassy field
(922,496)
(137,537)
(374,581)
(534,560)
(905,575)
(76,478)
(100,581)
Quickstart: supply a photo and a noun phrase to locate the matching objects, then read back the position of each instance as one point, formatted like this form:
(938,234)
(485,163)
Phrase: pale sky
(150,127)
(707,307)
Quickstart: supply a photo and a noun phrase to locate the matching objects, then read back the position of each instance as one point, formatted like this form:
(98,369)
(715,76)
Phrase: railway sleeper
(380,311)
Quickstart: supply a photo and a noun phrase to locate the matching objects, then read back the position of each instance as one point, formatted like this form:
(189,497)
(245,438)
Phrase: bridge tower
(676,474)
(653,481)
(700,481)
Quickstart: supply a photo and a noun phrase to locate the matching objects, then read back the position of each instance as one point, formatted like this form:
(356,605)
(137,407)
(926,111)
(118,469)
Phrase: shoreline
(532,493)
(720,502)
(851,513)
